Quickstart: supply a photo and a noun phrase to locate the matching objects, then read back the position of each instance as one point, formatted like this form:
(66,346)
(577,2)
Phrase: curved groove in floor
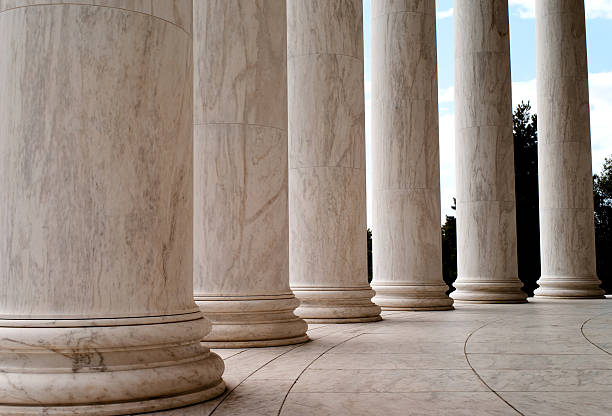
(250,374)
(308,366)
(294,347)
(476,372)
(588,339)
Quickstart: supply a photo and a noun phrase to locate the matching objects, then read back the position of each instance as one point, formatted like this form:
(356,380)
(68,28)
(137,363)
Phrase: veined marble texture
(567,236)
(241,264)
(327,220)
(486,209)
(96,308)
(407,250)
(325,27)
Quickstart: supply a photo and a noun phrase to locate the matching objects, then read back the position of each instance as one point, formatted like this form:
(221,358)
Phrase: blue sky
(522,51)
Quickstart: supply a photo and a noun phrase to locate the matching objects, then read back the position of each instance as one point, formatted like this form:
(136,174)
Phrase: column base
(493,291)
(105,366)
(405,296)
(252,321)
(566,287)
(337,305)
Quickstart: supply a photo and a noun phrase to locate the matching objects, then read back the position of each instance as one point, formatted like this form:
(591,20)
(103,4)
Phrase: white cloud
(594,9)
(446,95)
(525,8)
(368,148)
(598,9)
(447,164)
(445,14)
(600,98)
(525,91)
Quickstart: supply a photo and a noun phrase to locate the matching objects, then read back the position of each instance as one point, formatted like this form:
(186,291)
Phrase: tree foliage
(602,195)
(449,251)
(525,131)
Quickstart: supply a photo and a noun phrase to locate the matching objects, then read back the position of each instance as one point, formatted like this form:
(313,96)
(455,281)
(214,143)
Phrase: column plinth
(567,233)
(106,366)
(406,238)
(337,305)
(410,296)
(488,291)
(328,249)
(96,296)
(252,321)
(241,217)
(487,269)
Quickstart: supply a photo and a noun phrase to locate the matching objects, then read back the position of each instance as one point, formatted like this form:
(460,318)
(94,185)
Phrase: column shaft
(407,247)
(486,210)
(96,309)
(567,235)
(328,252)
(241,209)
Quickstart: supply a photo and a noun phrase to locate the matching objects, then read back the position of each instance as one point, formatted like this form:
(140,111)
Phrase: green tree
(525,131)
(602,195)
(449,249)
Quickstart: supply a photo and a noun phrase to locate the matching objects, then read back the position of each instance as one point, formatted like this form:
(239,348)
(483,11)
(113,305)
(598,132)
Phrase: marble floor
(540,358)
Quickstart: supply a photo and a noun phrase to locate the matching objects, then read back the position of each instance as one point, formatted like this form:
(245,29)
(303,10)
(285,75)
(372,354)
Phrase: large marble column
(241,209)
(567,235)
(96,309)
(407,249)
(327,220)
(486,210)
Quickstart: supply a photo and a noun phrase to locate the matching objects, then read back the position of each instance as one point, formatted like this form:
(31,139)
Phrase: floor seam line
(587,338)
(478,375)
(308,366)
(250,374)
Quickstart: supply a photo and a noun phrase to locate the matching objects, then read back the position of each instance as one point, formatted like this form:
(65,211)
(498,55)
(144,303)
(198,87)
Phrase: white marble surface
(407,250)
(327,217)
(406,366)
(241,223)
(567,237)
(96,307)
(486,210)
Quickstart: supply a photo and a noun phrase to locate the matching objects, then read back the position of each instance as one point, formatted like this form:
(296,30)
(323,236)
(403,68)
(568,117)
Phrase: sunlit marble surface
(96,297)
(487,269)
(327,194)
(241,214)
(540,358)
(407,250)
(567,237)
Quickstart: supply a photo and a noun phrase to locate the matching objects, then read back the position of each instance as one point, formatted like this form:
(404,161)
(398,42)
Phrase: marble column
(567,236)
(241,208)
(486,209)
(407,249)
(96,309)
(327,201)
